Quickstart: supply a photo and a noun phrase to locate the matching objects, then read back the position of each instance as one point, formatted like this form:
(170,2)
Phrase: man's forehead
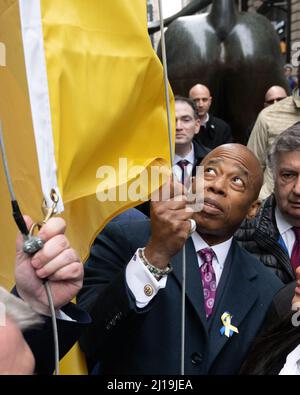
(200,91)
(202,95)
(235,163)
(182,108)
(235,152)
(289,158)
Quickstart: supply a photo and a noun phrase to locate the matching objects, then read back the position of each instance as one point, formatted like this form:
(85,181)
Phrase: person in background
(272,121)
(213,131)
(291,80)
(274,234)
(274,95)
(188,152)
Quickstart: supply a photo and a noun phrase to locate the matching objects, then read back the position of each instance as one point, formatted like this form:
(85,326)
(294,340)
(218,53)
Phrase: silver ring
(193,226)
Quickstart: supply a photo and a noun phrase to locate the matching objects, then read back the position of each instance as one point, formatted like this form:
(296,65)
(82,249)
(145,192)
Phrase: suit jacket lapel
(237,298)
(194,290)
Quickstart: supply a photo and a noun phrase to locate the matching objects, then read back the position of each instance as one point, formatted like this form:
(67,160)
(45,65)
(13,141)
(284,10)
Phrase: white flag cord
(165,67)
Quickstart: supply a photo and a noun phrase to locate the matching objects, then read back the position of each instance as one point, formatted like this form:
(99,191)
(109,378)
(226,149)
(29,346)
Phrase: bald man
(274,94)
(133,277)
(214,131)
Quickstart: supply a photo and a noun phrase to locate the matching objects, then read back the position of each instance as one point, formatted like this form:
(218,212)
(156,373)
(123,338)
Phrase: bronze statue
(237,55)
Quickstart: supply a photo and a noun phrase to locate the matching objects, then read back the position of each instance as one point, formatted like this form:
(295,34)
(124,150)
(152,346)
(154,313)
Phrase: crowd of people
(243,258)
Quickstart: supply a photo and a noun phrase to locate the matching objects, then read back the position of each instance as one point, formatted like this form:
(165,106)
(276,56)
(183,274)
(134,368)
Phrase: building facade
(277,12)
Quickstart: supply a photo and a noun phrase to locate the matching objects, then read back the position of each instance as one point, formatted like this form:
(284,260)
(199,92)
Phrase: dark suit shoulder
(218,122)
(117,243)
(137,233)
(200,151)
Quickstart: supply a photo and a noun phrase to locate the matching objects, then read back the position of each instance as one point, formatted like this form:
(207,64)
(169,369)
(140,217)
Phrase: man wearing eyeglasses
(272,121)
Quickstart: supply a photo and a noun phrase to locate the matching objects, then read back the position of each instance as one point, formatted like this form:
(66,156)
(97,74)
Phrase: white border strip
(35,60)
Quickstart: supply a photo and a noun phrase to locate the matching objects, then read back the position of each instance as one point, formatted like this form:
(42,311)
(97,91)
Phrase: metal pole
(165,66)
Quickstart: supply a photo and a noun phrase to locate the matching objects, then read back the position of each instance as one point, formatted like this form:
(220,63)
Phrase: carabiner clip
(33,243)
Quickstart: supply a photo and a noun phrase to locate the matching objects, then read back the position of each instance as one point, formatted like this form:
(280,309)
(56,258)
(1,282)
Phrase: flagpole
(167,96)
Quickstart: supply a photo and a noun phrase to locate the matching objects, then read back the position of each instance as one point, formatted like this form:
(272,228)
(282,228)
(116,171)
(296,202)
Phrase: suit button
(196,358)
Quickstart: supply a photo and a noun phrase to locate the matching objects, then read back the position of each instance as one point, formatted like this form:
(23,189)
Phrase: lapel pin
(227,329)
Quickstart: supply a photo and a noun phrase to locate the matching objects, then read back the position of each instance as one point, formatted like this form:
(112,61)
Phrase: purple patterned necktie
(295,257)
(183,165)
(208,279)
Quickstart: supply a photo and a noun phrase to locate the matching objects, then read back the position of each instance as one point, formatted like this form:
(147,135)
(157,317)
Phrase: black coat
(215,133)
(260,237)
(128,340)
(40,340)
(278,337)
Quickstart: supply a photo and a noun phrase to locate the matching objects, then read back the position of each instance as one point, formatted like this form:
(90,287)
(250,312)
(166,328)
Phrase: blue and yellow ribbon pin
(227,328)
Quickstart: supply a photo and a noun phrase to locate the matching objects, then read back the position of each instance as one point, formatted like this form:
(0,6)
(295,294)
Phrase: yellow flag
(83,112)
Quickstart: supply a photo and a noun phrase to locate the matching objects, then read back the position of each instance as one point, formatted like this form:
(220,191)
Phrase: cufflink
(148,290)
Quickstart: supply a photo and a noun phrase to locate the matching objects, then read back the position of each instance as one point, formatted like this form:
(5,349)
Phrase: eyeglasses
(272,101)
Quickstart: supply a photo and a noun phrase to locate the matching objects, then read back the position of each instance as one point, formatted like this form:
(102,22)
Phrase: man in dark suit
(188,153)
(58,262)
(214,131)
(132,285)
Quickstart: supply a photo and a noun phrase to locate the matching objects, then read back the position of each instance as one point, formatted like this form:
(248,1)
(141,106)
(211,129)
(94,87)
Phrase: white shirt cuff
(141,282)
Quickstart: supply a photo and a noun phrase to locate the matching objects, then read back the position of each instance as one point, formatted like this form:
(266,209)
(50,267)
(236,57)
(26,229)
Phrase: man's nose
(218,186)
(296,188)
(178,124)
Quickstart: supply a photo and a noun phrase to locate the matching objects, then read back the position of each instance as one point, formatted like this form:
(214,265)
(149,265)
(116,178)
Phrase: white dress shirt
(138,276)
(221,251)
(292,364)
(190,157)
(204,122)
(285,230)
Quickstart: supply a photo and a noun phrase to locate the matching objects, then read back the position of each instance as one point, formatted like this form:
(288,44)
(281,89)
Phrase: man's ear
(253,209)
(197,126)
